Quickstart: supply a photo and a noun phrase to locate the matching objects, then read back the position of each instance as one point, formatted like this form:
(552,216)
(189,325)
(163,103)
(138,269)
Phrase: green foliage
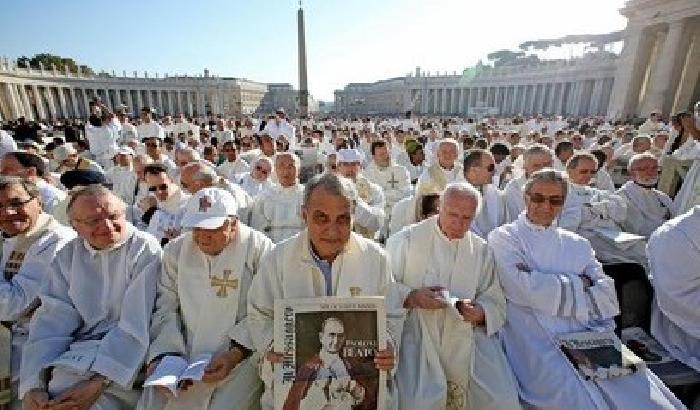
(47,60)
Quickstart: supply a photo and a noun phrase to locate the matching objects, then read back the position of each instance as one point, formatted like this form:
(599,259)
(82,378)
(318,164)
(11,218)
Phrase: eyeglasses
(15,204)
(93,222)
(161,187)
(540,199)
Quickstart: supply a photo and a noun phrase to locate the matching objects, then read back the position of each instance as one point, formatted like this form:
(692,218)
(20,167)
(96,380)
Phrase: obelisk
(303,86)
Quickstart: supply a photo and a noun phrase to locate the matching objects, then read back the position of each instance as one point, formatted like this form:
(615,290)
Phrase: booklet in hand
(599,355)
(173,369)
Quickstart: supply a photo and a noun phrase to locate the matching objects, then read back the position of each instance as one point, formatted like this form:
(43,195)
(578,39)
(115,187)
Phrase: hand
(221,365)
(35,399)
(425,298)
(472,312)
(149,371)
(384,359)
(274,357)
(79,397)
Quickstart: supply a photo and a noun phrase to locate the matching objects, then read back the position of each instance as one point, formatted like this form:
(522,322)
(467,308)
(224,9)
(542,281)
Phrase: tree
(47,60)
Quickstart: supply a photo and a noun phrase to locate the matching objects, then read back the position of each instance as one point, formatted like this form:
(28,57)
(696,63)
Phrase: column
(170,103)
(631,66)
(29,112)
(178,98)
(130,101)
(86,102)
(149,99)
(661,87)
(689,76)
(39,103)
(74,101)
(159,103)
(51,102)
(16,100)
(62,102)
(558,108)
(596,97)
(139,101)
(108,100)
(188,102)
(14,107)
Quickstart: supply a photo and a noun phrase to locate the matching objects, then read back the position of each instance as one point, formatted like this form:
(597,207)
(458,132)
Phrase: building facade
(49,94)
(658,69)
(283,95)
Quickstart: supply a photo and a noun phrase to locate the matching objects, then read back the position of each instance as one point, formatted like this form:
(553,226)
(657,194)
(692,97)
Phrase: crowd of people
(128,240)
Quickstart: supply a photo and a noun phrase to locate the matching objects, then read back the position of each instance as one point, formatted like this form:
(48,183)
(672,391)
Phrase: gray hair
(576,159)
(640,157)
(29,187)
(537,150)
(332,184)
(96,191)
(548,175)
(204,172)
(462,188)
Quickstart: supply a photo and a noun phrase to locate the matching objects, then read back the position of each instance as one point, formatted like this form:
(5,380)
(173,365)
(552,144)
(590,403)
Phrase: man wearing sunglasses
(554,286)
(165,204)
(479,168)
(258,179)
(30,240)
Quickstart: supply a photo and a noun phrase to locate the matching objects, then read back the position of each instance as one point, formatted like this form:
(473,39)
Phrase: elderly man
(391,177)
(32,167)
(445,168)
(456,307)
(369,212)
(325,259)
(277,211)
(88,339)
(163,207)
(66,156)
(535,158)
(479,167)
(30,240)
(674,252)
(201,174)
(123,176)
(257,180)
(647,207)
(233,166)
(554,287)
(207,270)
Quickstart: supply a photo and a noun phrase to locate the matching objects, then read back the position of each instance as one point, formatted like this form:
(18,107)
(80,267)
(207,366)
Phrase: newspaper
(328,346)
(598,355)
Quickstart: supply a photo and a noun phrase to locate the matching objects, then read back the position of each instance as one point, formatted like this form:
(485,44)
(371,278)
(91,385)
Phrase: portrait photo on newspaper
(328,346)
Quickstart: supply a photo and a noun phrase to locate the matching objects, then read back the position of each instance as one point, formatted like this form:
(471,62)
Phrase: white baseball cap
(209,208)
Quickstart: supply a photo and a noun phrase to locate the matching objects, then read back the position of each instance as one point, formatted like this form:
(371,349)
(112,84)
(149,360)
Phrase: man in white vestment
(479,167)
(155,150)
(445,167)
(128,131)
(369,210)
(92,325)
(122,175)
(233,166)
(450,355)
(280,126)
(32,167)
(674,252)
(165,204)
(554,286)
(149,128)
(102,133)
(30,240)
(391,177)
(647,207)
(653,124)
(257,180)
(277,211)
(535,158)
(205,271)
(325,259)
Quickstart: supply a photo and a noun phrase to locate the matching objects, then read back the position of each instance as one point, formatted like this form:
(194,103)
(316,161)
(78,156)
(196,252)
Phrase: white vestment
(689,194)
(674,252)
(169,214)
(233,170)
(103,141)
(444,361)
(369,209)
(253,187)
(277,212)
(192,286)
(598,216)
(603,180)
(404,213)
(94,318)
(492,213)
(150,130)
(436,176)
(124,181)
(513,195)
(647,208)
(290,271)
(50,195)
(395,184)
(128,134)
(25,260)
(540,270)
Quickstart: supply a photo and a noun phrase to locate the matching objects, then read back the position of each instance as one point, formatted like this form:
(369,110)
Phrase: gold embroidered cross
(223,283)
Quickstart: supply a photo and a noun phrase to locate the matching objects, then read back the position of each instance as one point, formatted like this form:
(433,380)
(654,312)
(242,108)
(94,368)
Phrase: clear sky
(347,40)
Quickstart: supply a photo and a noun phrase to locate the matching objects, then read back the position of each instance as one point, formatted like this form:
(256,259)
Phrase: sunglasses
(540,199)
(161,187)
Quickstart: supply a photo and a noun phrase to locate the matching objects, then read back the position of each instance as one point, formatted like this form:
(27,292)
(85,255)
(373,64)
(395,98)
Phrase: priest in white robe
(207,270)
(450,354)
(277,211)
(149,128)
(535,158)
(123,176)
(103,135)
(163,209)
(233,166)
(445,167)
(30,240)
(369,210)
(258,179)
(674,252)
(92,325)
(554,286)
(325,259)
(32,167)
(479,167)
(647,207)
